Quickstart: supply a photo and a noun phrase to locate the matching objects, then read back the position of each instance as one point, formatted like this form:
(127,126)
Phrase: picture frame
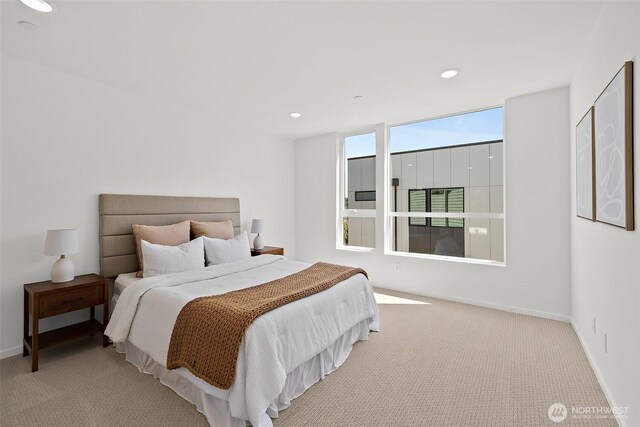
(585,167)
(613,127)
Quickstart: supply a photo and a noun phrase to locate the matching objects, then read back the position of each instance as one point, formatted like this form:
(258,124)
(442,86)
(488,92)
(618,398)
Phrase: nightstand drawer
(71,300)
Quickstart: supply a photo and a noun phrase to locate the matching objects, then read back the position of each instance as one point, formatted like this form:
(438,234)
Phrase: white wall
(66,139)
(536,278)
(605,260)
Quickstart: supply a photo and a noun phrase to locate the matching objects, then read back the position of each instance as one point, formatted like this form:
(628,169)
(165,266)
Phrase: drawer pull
(72,300)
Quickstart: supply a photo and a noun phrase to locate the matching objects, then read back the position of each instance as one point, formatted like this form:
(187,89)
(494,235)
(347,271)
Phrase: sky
(485,125)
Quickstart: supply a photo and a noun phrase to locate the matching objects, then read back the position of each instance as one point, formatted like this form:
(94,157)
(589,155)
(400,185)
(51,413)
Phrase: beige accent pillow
(216,230)
(168,235)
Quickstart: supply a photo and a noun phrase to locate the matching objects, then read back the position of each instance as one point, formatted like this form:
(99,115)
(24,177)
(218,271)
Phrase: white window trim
(447,258)
(361,213)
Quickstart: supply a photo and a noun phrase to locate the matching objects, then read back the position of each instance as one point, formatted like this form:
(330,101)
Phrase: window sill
(448,258)
(355,249)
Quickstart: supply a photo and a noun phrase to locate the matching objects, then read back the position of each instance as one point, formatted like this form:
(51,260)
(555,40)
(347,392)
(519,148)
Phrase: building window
(446,200)
(418,203)
(440,200)
(446,186)
(365,196)
(356,222)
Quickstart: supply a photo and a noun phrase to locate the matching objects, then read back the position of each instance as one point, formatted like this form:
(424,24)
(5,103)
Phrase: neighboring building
(463,178)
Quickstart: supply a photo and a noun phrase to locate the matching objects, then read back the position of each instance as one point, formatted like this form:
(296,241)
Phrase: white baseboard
(10,352)
(508,308)
(603,384)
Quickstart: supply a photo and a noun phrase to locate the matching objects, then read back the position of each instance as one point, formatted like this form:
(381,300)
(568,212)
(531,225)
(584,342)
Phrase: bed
(283,353)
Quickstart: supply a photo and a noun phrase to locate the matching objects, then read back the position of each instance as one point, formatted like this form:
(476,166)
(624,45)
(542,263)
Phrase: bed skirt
(217,410)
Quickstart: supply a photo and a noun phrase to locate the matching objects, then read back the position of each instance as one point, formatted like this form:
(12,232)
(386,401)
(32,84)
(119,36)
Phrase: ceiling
(255,62)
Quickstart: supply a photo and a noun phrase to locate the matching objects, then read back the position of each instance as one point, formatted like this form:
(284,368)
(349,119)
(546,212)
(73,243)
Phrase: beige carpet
(435,364)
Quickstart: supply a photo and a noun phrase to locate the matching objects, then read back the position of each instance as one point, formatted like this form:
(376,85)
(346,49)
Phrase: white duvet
(274,345)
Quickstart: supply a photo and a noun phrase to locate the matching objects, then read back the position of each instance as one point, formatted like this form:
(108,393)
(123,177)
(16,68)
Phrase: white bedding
(273,346)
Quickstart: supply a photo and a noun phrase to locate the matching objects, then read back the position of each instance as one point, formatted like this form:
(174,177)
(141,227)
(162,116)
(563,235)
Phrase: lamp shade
(257,226)
(61,242)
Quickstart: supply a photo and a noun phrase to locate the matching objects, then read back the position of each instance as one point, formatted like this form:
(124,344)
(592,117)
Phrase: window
(446,188)
(443,187)
(437,200)
(418,203)
(356,225)
(365,196)
(446,200)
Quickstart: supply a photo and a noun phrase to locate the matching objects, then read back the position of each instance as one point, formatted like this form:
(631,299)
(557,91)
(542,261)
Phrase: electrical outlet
(606,343)
(594,324)
(396,266)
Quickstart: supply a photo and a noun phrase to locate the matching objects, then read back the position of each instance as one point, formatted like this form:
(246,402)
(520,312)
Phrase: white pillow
(219,251)
(161,259)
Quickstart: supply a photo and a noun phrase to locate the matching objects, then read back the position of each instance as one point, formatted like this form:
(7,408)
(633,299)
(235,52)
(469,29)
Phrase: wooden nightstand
(271,250)
(46,299)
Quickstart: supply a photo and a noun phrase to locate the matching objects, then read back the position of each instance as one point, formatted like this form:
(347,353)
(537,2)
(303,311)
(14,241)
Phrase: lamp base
(258,243)
(63,270)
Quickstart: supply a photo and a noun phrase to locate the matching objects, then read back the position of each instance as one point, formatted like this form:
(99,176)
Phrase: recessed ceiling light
(295,115)
(39,5)
(491,157)
(449,73)
(28,25)
(357,97)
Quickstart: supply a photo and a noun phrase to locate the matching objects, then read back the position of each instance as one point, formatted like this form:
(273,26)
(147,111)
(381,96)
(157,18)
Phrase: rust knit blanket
(208,331)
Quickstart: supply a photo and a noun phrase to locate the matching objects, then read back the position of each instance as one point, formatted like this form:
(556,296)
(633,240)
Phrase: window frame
(389,215)
(384,237)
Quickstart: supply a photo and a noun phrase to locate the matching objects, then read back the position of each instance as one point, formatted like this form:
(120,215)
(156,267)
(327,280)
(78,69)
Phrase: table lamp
(257,226)
(61,242)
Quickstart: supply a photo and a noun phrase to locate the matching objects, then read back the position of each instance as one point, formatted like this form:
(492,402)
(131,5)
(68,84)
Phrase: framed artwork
(613,126)
(585,170)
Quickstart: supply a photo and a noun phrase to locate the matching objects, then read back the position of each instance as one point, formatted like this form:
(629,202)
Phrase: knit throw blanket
(208,331)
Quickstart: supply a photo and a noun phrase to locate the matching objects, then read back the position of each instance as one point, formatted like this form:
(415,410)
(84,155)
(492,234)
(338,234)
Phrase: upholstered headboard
(119,211)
